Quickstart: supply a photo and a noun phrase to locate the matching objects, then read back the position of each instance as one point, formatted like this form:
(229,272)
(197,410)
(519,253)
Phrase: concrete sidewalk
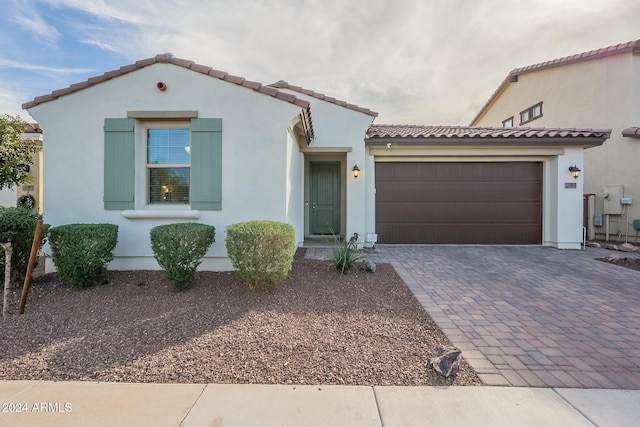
(39,403)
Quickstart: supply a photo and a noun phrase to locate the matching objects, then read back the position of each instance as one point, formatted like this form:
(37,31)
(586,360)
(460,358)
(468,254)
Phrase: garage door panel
(456,172)
(458,192)
(432,213)
(486,203)
(451,233)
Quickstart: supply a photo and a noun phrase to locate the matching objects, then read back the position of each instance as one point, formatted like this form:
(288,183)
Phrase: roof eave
(285,85)
(632,132)
(511,78)
(444,141)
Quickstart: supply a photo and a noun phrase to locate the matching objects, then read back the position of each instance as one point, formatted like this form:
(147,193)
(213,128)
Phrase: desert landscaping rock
(446,361)
(368,265)
(319,327)
(628,247)
(627,262)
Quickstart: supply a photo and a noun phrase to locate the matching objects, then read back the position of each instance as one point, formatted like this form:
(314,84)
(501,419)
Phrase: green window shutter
(206,164)
(119,165)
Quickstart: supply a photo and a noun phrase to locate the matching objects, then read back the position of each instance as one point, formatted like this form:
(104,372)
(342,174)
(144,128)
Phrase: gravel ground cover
(632,263)
(319,327)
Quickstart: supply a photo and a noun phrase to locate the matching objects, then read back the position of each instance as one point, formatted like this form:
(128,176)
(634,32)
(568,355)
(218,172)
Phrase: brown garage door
(455,203)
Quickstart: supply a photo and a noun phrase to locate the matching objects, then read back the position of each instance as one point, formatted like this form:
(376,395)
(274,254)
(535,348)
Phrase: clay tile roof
(632,46)
(284,85)
(476,134)
(633,132)
(32,128)
(168,58)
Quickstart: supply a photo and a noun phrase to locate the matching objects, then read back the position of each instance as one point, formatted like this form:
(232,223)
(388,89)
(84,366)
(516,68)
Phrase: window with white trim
(163,164)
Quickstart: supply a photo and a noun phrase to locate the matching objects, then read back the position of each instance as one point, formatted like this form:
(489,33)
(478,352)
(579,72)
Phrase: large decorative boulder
(368,265)
(628,247)
(446,361)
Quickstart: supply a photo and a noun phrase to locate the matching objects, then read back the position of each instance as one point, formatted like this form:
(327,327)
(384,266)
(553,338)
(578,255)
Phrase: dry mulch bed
(319,327)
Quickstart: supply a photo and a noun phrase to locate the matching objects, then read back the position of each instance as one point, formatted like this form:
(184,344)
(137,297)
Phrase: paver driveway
(531,316)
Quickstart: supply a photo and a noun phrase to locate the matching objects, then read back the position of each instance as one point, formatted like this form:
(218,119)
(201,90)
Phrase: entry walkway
(529,315)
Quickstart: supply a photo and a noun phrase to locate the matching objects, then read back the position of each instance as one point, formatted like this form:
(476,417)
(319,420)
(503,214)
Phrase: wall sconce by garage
(575,171)
(355,171)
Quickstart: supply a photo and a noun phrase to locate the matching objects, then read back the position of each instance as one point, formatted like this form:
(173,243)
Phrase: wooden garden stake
(35,247)
(8,250)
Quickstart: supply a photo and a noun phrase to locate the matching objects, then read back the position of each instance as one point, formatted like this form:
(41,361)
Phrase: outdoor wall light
(575,171)
(355,171)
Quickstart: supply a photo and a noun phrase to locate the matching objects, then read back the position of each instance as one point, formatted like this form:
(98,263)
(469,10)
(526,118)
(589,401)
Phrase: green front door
(325,198)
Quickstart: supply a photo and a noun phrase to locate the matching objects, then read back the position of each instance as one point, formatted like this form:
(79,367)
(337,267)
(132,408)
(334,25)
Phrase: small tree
(17,228)
(15,155)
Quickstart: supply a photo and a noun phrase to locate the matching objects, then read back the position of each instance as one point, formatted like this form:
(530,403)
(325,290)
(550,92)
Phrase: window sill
(158,214)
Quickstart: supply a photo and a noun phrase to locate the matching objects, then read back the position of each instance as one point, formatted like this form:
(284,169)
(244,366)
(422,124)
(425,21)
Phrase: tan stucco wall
(600,93)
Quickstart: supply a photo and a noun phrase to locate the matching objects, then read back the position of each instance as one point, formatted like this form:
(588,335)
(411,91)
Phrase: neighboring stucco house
(167,140)
(600,88)
(10,196)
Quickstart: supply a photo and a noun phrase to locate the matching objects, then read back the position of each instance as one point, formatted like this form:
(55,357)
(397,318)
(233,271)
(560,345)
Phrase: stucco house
(168,140)
(600,88)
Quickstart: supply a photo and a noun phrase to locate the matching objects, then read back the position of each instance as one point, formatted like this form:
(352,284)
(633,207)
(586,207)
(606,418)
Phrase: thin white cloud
(413,61)
(27,16)
(101,45)
(8,63)
(125,11)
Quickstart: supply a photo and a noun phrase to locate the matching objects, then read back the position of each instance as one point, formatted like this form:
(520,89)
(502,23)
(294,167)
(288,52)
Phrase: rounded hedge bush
(261,252)
(179,249)
(81,252)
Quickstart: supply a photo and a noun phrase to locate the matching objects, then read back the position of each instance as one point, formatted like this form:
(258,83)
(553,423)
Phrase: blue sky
(413,61)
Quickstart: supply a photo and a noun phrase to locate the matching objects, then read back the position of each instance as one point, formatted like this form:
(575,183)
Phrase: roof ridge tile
(168,58)
(233,79)
(203,69)
(282,84)
(145,62)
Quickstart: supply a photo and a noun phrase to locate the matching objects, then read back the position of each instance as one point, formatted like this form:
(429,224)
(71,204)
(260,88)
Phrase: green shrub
(345,255)
(17,226)
(261,252)
(81,252)
(179,249)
